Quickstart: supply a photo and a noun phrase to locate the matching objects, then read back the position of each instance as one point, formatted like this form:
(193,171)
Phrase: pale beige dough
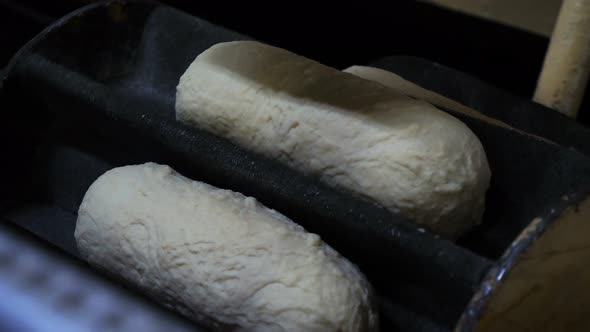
(402,86)
(219,257)
(352,133)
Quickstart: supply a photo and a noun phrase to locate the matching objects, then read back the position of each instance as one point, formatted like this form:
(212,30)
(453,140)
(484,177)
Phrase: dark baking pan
(96,90)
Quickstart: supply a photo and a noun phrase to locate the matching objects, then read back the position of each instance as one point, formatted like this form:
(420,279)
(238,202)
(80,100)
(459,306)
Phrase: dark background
(342,35)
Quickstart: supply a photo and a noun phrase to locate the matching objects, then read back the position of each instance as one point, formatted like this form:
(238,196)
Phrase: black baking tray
(96,90)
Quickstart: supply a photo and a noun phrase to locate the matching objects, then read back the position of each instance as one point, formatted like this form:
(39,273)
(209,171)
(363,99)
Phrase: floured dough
(217,256)
(353,133)
(401,85)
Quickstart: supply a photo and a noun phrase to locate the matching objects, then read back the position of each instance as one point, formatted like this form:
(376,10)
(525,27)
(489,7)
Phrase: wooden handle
(563,80)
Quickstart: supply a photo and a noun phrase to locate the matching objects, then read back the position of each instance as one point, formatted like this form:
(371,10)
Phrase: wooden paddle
(564,76)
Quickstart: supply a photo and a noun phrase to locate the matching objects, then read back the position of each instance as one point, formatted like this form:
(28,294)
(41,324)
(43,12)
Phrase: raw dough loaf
(353,133)
(403,86)
(217,256)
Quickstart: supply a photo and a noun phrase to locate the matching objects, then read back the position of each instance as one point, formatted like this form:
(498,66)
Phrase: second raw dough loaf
(353,133)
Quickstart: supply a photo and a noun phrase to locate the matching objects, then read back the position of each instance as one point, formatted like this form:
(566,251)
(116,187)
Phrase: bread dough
(401,85)
(219,257)
(352,133)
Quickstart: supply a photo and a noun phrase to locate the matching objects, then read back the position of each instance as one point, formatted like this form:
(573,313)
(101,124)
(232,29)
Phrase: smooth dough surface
(219,257)
(353,133)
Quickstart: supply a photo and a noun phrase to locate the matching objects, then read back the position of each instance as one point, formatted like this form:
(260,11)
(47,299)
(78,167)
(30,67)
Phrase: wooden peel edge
(566,68)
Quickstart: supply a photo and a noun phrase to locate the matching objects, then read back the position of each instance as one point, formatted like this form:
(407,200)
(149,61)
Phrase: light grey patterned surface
(40,291)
